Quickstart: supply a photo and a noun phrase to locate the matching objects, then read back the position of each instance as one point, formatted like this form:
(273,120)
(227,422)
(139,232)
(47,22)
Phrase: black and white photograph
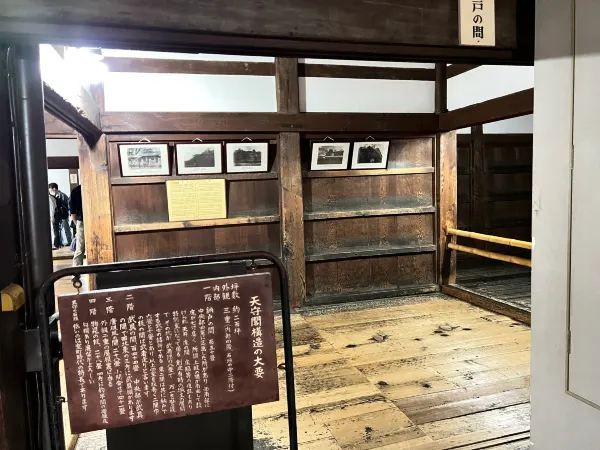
(329,155)
(247,156)
(370,155)
(138,160)
(198,158)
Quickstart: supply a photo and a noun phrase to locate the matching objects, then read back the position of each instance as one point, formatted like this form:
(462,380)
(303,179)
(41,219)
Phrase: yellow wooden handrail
(489,238)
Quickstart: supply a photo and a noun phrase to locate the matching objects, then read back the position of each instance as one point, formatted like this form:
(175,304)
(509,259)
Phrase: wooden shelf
(159,226)
(367,172)
(346,213)
(116,181)
(371,294)
(361,252)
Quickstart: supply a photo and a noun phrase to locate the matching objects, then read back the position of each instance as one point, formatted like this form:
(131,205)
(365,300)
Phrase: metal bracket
(33,350)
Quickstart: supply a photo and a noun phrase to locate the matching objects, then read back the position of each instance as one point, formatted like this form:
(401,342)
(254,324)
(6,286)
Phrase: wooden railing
(493,239)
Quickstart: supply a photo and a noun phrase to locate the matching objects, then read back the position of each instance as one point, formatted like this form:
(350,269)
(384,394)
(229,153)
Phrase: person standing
(76,208)
(61,215)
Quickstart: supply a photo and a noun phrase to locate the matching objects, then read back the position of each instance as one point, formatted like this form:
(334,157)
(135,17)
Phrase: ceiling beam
(149,65)
(457,69)
(405,29)
(190,122)
(501,108)
(65,112)
(63,162)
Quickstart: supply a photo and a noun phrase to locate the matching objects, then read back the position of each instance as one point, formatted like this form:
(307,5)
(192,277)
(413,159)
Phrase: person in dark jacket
(61,216)
(76,208)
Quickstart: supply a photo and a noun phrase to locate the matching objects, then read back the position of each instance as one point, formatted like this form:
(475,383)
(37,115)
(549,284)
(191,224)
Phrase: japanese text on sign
(477,22)
(148,353)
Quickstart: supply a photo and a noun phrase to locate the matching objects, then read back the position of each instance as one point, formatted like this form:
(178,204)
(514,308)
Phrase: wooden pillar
(441,88)
(95,189)
(447,212)
(291,205)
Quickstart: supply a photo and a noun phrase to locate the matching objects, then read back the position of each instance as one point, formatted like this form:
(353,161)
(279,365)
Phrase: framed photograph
(198,158)
(247,156)
(329,155)
(370,155)
(140,160)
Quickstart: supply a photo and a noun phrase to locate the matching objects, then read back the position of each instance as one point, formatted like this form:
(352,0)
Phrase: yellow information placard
(196,199)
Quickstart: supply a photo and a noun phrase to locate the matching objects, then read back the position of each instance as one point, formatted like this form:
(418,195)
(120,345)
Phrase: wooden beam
(501,108)
(491,304)
(406,29)
(291,205)
(447,199)
(365,72)
(63,162)
(95,185)
(68,114)
(191,122)
(149,65)
(457,69)
(56,129)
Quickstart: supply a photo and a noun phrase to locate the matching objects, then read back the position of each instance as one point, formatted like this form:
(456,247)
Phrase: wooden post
(291,205)
(479,200)
(441,88)
(447,213)
(95,188)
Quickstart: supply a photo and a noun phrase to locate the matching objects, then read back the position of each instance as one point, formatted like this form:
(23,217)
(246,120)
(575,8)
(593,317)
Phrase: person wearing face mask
(61,216)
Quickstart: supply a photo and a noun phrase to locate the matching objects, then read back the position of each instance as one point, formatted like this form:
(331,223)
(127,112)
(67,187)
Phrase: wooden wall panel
(163,244)
(411,153)
(334,281)
(368,232)
(392,191)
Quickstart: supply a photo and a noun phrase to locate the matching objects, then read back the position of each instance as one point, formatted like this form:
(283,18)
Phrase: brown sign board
(148,353)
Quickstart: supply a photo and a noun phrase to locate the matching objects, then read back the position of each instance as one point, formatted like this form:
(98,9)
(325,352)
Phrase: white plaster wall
(62,147)
(368,96)
(487,82)
(523,124)
(60,177)
(559,421)
(189,92)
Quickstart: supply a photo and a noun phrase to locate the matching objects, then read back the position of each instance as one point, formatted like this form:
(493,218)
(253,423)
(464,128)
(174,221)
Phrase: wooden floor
(434,374)
(424,373)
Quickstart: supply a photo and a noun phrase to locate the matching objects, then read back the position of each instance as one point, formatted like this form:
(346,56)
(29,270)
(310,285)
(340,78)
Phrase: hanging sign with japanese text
(148,353)
(477,22)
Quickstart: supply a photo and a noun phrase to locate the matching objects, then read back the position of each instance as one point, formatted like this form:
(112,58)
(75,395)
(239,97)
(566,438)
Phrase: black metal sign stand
(47,327)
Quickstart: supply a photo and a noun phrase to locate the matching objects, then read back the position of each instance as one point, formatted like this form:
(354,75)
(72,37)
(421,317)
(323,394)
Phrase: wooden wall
(494,184)
(367,233)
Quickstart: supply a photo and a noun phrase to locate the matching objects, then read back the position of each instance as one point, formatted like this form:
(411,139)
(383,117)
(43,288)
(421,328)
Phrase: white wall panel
(487,82)
(62,147)
(189,92)
(369,96)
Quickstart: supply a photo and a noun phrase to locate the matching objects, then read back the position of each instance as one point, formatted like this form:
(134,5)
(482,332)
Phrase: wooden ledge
(162,226)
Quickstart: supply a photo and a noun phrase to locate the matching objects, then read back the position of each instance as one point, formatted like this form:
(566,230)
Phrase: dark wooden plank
(506,107)
(447,185)
(118,180)
(367,172)
(488,303)
(67,113)
(346,213)
(407,29)
(63,162)
(286,82)
(365,72)
(151,65)
(95,185)
(371,295)
(189,122)
(358,252)
(457,69)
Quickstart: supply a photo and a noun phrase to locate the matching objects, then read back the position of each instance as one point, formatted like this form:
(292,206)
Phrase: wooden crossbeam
(457,69)
(150,65)
(190,122)
(506,107)
(64,111)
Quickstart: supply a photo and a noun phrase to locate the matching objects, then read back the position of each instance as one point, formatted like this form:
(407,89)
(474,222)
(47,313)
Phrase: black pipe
(27,113)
